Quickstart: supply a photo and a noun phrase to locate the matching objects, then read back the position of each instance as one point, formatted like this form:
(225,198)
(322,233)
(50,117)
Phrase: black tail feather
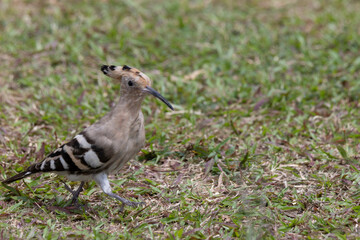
(18,177)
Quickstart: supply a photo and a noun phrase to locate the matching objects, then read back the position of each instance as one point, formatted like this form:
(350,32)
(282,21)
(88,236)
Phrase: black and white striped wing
(80,155)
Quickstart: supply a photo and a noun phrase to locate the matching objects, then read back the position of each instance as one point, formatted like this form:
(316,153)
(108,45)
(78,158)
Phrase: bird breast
(134,143)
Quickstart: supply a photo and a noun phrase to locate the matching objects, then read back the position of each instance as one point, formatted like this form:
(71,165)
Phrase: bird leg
(102,180)
(75,193)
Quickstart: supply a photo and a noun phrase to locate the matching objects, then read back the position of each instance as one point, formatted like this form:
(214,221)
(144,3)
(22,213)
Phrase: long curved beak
(158,95)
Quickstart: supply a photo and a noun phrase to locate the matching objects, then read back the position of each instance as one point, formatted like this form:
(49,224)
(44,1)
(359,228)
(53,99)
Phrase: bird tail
(46,165)
(18,176)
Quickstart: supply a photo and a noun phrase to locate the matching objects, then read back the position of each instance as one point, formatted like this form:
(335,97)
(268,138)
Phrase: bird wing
(80,155)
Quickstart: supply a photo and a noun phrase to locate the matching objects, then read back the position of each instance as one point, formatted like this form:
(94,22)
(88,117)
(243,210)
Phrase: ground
(263,143)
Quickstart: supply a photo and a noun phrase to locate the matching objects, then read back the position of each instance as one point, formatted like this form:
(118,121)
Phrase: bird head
(133,81)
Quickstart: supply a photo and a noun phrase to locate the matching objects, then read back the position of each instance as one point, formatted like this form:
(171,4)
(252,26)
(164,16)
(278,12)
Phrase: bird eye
(130,83)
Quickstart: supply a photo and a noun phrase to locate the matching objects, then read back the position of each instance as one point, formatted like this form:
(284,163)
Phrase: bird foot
(128,203)
(74,199)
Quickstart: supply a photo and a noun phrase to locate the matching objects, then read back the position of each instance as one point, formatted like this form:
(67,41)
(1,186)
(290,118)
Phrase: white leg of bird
(102,180)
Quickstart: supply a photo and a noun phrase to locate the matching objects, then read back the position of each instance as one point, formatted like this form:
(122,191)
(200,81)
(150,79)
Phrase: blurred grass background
(263,142)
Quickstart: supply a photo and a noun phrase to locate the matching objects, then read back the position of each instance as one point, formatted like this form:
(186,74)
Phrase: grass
(263,142)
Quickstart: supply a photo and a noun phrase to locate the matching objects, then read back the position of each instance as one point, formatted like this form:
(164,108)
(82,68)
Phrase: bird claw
(130,204)
(135,204)
(74,199)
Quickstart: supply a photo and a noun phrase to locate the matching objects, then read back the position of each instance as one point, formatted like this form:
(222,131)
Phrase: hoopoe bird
(104,147)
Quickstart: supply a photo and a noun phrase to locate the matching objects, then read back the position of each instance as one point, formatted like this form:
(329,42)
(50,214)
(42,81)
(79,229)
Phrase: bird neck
(129,104)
